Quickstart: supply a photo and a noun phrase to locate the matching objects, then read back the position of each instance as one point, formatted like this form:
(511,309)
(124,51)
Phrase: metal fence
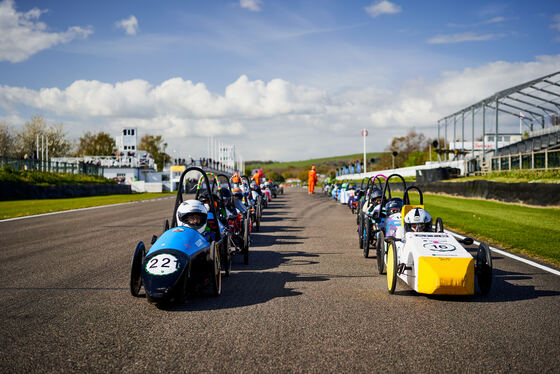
(535,160)
(52,166)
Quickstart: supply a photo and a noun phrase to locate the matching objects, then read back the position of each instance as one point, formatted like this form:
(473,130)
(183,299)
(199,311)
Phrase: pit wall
(23,191)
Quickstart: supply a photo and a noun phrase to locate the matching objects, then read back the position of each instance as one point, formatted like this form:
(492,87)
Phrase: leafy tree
(156,146)
(287,174)
(55,137)
(275,177)
(8,145)
(100,144)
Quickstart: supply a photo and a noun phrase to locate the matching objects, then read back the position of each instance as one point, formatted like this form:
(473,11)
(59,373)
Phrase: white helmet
(418,220)
(193,214)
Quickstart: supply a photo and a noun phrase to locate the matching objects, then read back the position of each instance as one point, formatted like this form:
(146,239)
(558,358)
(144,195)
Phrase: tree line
(22,143)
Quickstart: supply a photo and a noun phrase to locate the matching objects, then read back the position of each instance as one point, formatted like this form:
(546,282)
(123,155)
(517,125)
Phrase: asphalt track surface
(308,302)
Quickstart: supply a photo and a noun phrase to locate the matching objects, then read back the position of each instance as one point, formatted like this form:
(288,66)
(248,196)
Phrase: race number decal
(439,247)
(163,264)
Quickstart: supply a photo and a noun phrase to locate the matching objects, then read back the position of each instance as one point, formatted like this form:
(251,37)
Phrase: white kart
(435,263)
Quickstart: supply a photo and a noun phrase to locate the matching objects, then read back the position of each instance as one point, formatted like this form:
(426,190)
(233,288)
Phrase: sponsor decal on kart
(178,230)
(162,264)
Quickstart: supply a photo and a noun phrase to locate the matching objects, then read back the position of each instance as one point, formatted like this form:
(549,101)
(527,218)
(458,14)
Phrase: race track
(308,302)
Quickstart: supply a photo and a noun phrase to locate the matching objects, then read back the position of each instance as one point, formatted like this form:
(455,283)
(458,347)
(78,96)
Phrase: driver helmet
(225,195)
(394,205)
(237,193)
(376,195)
(193,214)
(418,220)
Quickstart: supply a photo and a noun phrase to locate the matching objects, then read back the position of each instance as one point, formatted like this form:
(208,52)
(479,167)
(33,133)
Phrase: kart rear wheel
(360,232)
(246,241)
(483,268)
(380,249)
(367,239)
(165,225)
(258,220)
(181,288)
(136,269)
(391,268)
(439,225)
(216,270)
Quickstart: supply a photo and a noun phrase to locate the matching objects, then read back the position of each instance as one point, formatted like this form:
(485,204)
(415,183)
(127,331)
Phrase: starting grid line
(81,209)
(512,256)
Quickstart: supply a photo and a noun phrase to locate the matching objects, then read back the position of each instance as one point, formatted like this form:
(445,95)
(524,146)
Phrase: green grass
(43,178)
(309,163)
(527,230)
(516,176)
(20,208)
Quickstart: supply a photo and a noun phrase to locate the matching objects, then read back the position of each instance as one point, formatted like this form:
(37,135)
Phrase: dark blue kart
(181,259)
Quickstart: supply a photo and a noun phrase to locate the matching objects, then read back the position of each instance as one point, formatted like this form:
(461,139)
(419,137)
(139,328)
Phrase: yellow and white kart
(435,263)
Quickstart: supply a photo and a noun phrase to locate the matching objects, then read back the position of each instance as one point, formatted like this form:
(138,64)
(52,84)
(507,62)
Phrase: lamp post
(364,134)
(394,154)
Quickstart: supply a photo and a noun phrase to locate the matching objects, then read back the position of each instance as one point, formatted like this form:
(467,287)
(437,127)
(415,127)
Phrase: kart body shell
(434,263)
(169,257)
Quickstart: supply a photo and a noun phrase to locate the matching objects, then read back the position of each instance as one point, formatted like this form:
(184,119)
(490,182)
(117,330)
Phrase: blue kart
(181,259)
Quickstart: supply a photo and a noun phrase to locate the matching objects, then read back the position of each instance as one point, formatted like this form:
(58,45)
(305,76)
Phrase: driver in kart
(394,206)
(193,214)
(418,220)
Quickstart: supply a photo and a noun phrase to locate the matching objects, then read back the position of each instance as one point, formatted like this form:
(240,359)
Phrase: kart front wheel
(484,268)
(391,268)
(225,256)
(216,270)
(439,225)
(166,225)
(380,251)
(136,269)
(367,234)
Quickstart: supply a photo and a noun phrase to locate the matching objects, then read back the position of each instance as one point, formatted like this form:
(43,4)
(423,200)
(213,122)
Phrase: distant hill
(326,165)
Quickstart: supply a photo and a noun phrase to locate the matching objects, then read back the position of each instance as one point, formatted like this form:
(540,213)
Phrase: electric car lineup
(430,262)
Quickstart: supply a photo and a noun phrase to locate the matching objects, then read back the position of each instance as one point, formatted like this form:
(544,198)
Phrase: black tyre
(367,237)
(136,269)
(360,233)
(165,225)
(258,220)
(391,268)
(483,268)
(216,271)
(380,251)
(439,225)
(246,228)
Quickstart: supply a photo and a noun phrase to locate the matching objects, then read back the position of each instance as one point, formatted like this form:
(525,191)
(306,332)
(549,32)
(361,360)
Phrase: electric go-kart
(255,211)
(181,259)
(374,215)
(238,221)
(435,263)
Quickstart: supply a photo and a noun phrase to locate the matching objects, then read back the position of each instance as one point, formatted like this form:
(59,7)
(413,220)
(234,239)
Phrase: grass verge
(20,208)
(516,176)
(534,232)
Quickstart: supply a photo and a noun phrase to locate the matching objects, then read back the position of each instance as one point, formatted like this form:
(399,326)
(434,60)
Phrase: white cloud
(253,5)
(22,35)
(463,37)
(129,25)
(275,119)
(382,7)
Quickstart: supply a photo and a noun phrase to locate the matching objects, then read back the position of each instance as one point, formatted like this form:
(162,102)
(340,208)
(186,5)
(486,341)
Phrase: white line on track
(507,254)
(80,209)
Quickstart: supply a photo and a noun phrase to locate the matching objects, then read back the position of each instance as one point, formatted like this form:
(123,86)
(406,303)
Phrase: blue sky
(282,80)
